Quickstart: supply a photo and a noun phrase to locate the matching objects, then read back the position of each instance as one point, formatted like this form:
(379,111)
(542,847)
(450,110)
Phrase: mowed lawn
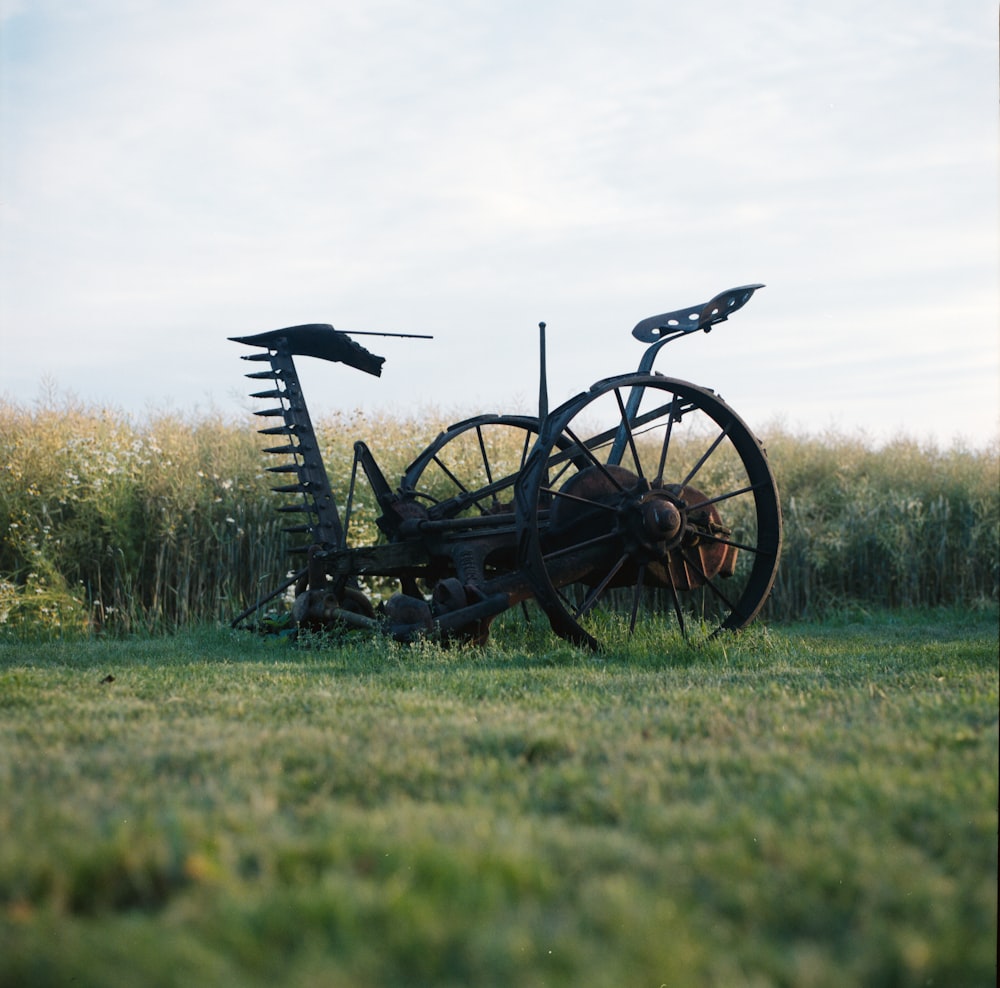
(804,805)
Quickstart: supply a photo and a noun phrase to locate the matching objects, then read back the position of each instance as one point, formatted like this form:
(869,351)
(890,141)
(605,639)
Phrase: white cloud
(204,168)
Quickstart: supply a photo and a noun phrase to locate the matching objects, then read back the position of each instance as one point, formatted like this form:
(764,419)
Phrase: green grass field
(805,805)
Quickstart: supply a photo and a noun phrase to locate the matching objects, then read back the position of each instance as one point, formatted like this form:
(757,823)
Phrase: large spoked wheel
(663,507)
(470,468)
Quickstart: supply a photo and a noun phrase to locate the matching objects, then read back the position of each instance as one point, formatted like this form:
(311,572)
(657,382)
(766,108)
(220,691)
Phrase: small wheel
(471,467)
(663,505)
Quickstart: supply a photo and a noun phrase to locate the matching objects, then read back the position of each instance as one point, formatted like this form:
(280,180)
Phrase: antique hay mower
(644,497)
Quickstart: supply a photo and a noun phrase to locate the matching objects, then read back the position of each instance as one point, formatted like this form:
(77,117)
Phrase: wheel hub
(661,521)
(671,531)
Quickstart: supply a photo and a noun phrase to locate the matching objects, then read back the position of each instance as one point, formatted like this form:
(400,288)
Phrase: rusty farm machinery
(642,499)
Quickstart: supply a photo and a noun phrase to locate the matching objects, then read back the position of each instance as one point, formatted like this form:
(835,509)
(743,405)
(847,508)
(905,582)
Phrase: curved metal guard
(695,317)
(317,340)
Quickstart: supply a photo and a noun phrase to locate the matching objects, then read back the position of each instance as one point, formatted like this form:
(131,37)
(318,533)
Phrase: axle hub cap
(661,521)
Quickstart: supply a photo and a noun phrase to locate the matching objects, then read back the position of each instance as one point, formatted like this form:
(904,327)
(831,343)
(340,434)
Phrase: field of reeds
(111,523)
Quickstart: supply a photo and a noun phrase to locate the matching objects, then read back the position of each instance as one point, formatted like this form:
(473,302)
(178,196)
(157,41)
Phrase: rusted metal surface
(586,522)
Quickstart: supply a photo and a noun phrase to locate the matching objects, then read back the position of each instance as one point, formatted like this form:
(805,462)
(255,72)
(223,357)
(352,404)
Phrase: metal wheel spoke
(486,459)
(696,566)
(461,487)
(677,609)
(749,489)
(630,439)
(576,546)
(566,496)
(666,445)
(603,438)
(595,595)
(756,549)
(524,450)
(466,496)
(565,467)
(594,460)
(704,458)
(568,604)
(636,597)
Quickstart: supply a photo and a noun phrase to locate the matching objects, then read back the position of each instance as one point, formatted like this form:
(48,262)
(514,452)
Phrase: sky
(176,172)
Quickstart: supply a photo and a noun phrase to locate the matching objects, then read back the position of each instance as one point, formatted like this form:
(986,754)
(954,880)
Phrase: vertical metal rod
(543,387)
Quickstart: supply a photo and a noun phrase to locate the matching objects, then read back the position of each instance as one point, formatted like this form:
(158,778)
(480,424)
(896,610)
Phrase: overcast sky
(174,172)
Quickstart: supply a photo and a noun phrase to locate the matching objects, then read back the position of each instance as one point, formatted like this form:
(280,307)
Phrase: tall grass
(116,523)
(904,524)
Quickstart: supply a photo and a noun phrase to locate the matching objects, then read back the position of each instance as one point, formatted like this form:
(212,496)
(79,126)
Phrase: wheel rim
(663,507)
